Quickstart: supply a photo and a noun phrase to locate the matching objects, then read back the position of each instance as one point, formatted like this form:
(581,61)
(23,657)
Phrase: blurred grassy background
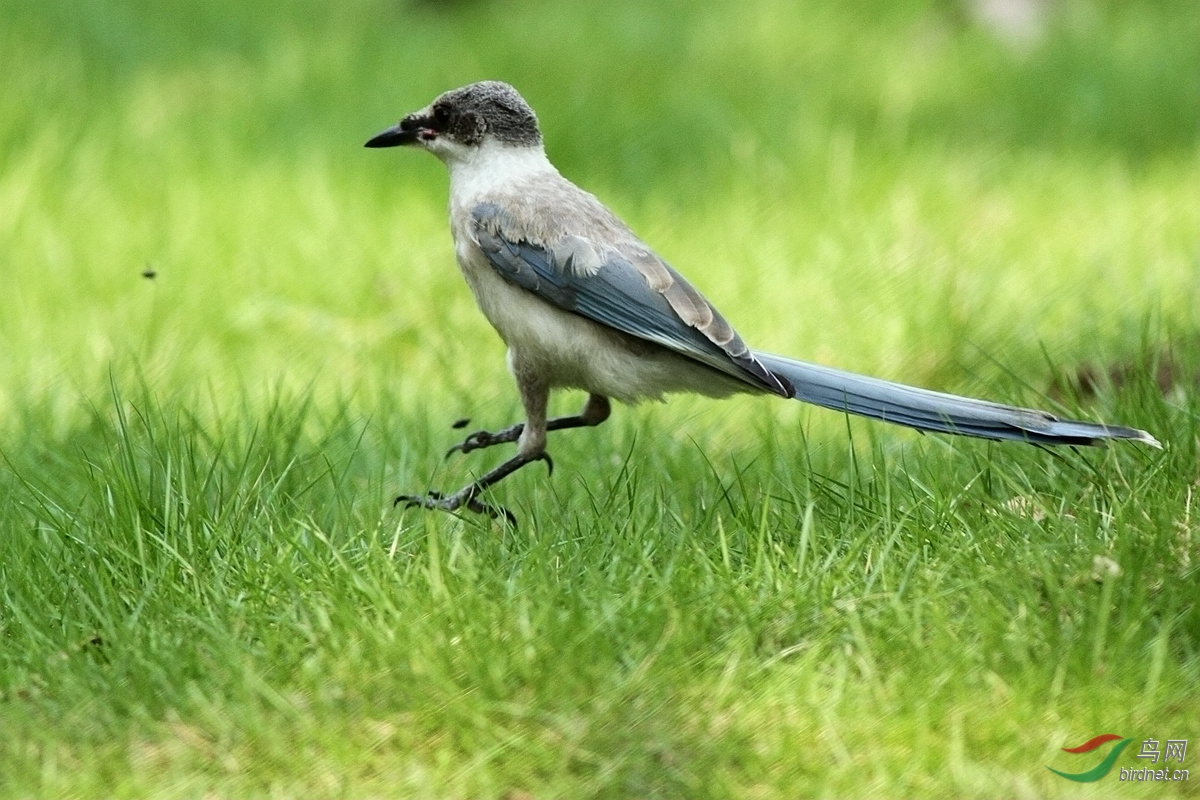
(883,186)
(204,590)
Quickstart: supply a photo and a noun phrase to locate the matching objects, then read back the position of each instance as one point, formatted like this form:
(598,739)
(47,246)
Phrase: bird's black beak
(410,130)
(393,137)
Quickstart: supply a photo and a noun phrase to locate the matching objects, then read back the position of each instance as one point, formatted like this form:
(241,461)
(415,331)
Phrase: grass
(205,592)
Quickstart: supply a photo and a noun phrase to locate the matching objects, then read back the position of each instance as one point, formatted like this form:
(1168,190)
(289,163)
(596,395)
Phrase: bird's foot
(451,503)
(481,439)
(468,496)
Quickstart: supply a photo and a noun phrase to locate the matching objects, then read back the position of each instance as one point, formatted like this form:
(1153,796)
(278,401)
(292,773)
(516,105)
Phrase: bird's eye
(440,116)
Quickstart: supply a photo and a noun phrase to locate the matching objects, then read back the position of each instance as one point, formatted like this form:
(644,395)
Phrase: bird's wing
(626,287)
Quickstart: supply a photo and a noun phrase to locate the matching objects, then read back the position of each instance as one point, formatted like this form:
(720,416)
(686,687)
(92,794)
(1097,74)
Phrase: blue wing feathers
(616,295)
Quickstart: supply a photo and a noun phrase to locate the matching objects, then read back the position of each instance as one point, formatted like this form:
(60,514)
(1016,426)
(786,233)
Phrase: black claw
(495,512)
(549,463)
(473,441)
(415,501)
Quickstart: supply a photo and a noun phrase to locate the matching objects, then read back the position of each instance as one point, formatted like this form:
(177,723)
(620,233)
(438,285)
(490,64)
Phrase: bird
(582,303)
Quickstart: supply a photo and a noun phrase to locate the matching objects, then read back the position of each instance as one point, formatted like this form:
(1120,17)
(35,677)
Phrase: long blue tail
(936,411)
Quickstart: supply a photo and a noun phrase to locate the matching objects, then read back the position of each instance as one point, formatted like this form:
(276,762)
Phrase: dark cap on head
(467,115)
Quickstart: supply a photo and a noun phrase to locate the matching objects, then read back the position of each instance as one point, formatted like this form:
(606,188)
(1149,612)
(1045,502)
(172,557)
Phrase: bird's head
(461,121)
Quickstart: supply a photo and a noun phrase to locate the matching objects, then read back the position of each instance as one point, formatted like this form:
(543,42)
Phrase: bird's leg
(594,411)
(531,446)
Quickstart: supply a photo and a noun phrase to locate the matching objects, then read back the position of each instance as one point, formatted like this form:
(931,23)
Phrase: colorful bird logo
(1100,770)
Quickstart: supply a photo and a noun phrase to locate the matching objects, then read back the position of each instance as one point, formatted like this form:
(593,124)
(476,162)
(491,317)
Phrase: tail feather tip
(1146,438)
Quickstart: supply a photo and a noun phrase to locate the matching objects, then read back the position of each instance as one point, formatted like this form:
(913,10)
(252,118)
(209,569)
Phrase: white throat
(492,166)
